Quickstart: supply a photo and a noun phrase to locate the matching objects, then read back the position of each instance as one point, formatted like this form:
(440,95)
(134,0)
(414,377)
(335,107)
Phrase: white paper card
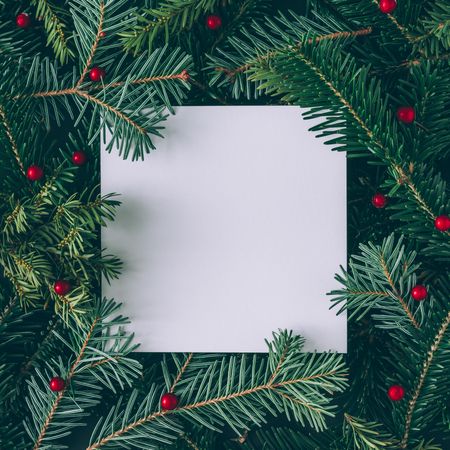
(233,228)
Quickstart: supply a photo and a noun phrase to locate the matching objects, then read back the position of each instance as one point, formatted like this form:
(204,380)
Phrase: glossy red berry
(34,173)
(57,384)
(387,6)
(79,158)
(97,73)
(406,114)
(419,292)
(62,287)
(169,401)
(213,22)
(442,223)
(23,20)
(379,200)
(396,392)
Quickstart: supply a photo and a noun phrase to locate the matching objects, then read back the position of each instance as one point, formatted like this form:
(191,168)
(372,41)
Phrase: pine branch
(93,48)
(422,197)
(426,87)
(431,355)
(247,11)
(55,27)
(230,67)
(11,139)
(378,282)
(181,372)
(366,13)
(433,38)
(232,392)
(362,435)
(171,17)
(153,80)
(60,394)
(101,337)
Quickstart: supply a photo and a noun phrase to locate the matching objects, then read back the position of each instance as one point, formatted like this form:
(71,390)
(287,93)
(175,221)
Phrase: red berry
(419,293)
(97,73)
(102,34)
(57,384)
(62,287)
(406,114)
(34,173)
(379,200)
(23,20)
(396,392)
(169,401)
(387,6)
(213,22)
(442,223)
(79,158)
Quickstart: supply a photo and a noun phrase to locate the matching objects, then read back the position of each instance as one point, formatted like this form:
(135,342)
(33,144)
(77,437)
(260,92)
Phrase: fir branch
(54,26)
(401,28)
(404,179)
(34,357)
(87,65)
(68,378)
(244,390)
(156,80)
(171,18)
(268,387)
(101,336)
(272,53)
(114,111)
(377,281)
(181,372)
(400,299)
(190,442)
(183,75)
(12,141)
(423,196)
(422,377)
(364,435)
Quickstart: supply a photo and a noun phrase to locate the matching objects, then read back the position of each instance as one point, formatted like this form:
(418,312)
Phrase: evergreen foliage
(341,61)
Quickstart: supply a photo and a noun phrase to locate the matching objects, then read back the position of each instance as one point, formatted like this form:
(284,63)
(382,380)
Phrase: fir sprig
(54,18)
(379,282)
(170,18)
(233,391)
(154,80)
(98,359)
(362,435)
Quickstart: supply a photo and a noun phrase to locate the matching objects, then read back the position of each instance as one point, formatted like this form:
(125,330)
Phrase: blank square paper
(232,228)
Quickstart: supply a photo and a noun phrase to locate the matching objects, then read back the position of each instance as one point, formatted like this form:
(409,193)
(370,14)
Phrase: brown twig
(181,372)
(280,363)
(76,91)
(94,45)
